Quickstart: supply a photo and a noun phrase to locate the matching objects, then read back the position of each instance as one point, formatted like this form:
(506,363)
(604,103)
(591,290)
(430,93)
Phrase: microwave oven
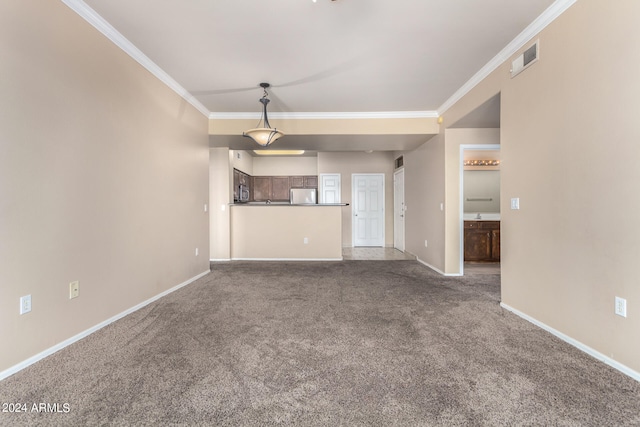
(243,193)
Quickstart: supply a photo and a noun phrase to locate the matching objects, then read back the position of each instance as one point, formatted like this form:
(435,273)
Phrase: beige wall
(278,232)
(241,160)
(103,179)
(348,163)
(424,193)
(569,148)
(283,166)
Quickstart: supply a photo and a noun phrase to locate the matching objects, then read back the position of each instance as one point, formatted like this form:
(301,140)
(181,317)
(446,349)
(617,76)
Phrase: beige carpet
(337,343)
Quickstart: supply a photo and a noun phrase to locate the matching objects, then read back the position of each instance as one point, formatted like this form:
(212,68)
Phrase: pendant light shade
(263,134)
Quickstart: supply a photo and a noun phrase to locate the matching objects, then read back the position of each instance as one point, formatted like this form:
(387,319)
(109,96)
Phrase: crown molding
(329,115)
(99,23)
(547,17)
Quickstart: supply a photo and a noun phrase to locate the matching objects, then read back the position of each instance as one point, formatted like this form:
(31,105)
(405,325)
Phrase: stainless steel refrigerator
(303,196)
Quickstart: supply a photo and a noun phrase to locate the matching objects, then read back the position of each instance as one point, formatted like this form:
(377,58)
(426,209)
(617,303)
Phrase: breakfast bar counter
(261,231)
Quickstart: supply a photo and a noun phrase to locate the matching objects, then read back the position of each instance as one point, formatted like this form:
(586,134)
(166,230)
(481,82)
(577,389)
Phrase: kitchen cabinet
(482,241)
(261,188)
(296,181)
(307,181)
(311,181)
(276,188)
(279,188)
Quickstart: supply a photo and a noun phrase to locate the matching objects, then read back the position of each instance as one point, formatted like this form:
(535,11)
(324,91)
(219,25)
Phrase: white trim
(577,344)
(436,269)
(287,259)
(100,24)
(30,361)
(547,17)
(219,259)
(327,115)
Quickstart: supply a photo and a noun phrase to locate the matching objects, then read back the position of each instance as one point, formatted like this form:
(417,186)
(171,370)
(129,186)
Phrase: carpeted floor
(324,343)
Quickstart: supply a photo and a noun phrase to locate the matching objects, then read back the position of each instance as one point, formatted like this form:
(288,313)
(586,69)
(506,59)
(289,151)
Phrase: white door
(329,188)
(368,209)
(398,210)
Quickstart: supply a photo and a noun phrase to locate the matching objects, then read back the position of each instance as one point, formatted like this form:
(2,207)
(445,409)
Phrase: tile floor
(370,253)
(367,253)
(482,268)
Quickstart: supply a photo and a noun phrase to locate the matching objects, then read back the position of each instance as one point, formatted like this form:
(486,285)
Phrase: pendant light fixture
(264,135)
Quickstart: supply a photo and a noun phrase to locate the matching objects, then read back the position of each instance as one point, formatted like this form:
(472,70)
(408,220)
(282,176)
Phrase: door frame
(395,195)
(464,147)
(353,205)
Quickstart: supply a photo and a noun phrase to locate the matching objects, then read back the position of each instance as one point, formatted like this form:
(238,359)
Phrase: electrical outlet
(621,307)
(426,244)
(74,290)
(25,304)
(306,240)
(206,207)
(196,251)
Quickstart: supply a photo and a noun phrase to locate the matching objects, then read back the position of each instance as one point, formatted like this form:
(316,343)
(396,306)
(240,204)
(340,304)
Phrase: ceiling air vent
(522,62)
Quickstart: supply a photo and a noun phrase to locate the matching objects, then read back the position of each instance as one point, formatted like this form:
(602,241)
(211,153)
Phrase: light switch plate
(74,289)
(515,203)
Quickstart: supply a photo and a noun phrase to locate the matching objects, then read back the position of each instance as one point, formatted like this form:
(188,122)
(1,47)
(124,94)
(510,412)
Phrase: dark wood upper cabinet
(261,188)
(296,181)
(311,181)
(276,188)
(280,188)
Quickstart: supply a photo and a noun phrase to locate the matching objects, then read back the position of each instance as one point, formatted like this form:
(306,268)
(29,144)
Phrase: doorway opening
(480,208)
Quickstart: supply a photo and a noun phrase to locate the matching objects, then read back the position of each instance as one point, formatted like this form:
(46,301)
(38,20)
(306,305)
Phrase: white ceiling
(324,56)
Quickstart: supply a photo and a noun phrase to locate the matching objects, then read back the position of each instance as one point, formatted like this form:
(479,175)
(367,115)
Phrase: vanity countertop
(484,216)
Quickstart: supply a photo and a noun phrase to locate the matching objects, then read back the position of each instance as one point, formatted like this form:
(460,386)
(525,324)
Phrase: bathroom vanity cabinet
(482,241)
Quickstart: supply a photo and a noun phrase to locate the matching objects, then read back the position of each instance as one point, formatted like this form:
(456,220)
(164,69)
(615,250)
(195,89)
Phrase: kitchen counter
(261,231)
(288,204)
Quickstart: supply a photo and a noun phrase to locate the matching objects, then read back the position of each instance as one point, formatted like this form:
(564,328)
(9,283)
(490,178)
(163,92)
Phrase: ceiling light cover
(264,135)
(279,152)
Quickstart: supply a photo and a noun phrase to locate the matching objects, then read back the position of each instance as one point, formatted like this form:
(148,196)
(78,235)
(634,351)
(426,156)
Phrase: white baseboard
(219,259)
(436,269)
(30,361)
(577,344)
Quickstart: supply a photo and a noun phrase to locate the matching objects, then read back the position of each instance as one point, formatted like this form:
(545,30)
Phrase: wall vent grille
(525,59)
(399,162)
